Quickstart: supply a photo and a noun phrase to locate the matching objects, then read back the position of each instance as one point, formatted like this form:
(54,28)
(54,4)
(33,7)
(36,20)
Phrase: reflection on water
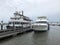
(40,38)
(51,37)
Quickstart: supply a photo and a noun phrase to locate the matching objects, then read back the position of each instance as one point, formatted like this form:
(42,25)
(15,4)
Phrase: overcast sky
(31,8)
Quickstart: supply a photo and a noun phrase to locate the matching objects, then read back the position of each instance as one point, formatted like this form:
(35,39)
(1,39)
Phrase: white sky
(31,8)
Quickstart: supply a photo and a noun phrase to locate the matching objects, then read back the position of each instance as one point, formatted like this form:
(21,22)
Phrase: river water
(51,37)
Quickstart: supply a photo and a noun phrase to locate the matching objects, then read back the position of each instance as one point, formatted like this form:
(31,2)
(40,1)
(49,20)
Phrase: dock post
(1,25)
(13,26)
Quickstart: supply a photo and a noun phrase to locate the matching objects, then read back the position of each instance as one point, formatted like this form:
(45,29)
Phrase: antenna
(22,12)
(16,8)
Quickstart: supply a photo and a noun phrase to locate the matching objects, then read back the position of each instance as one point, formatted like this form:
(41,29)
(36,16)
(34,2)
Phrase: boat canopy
(42,17)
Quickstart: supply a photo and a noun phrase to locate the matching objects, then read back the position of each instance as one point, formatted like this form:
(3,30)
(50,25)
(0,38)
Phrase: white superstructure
(41,24)
(19,21)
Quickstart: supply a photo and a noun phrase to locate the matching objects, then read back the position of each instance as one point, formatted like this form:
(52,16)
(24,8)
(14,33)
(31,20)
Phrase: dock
(54,23)
(8,32)
(5,33)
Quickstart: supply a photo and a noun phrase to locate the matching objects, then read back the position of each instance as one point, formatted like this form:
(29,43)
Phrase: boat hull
(41,28)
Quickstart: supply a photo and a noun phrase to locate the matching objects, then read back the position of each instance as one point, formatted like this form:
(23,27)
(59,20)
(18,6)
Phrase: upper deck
(19,17)
(42,19)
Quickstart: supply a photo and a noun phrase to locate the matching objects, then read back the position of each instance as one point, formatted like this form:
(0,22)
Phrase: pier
(54,23)
(10,32)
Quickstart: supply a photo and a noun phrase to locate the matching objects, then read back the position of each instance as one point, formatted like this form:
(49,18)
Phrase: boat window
(17,22)
(41,22)
(14,22)
(24,23)
(10,22)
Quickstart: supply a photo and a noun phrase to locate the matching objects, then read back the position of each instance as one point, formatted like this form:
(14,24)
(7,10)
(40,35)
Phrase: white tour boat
(19,22)
(41,24)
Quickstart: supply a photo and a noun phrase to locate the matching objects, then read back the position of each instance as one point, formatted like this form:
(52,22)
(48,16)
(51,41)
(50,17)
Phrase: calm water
(51,37)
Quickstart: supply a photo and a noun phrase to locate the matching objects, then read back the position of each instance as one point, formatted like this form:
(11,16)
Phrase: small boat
(41,24)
